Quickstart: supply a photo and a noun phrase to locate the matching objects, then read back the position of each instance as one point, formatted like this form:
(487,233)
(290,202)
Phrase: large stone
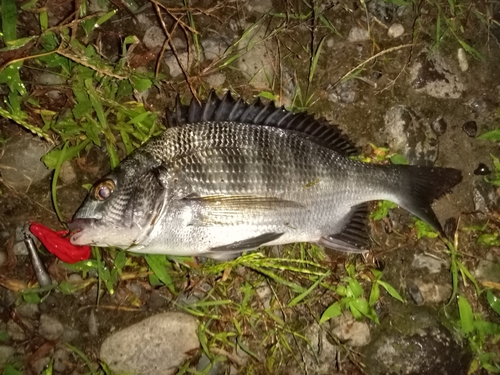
(257,60)
(351,331)
(20,165)
(156,345)
(433,76)
(411,135)
(411,341)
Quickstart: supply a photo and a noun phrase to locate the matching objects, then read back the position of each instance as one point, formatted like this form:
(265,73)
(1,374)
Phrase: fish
(226,177)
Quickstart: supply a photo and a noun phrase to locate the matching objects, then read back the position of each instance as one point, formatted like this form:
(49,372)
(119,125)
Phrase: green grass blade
(314,62)
(493,135)
(9,20)
(303,295)
(493,301)
(331,312)
(60,160)
(84,358)
(158,264)
(105,17)
(390,289)
(466,317)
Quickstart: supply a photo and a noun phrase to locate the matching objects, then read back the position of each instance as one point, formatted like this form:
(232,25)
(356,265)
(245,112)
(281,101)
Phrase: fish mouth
(78,225)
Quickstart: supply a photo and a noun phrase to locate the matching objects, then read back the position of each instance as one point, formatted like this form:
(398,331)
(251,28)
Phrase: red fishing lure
(57,243)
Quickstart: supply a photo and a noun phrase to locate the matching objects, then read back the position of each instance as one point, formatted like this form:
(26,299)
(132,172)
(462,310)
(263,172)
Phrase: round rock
(412,340)
(349,330)
(396,30)
(21,165)
(5,353)
(358,34)
(50,328)
(156,345)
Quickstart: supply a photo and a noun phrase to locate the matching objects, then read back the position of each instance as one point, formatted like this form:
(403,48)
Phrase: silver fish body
(215,187)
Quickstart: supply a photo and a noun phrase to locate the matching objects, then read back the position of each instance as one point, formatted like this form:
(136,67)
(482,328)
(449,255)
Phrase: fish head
(121,208)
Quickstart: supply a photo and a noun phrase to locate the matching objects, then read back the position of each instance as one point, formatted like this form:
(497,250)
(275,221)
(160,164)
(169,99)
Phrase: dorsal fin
(319,131)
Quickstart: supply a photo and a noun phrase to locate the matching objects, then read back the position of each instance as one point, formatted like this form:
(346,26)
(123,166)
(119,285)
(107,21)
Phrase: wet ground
(392,79)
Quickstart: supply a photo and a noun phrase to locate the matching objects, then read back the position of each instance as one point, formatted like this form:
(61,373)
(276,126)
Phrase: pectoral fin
(244,245)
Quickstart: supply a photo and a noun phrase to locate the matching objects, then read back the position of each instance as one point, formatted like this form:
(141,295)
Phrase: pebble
(350,331)
(46,78)
(482,170)
(173,65)
(28,310)
(92,323)
(50,328)
(345,92)
(259,6)
(156,345)
(396,30)
(383,10)
(213,48)
(154,37)
(15,331)
(432,292)
(433,265)
(156,301)
(61,358)
(20,249)
(20,164)
(40,365)
(48,304)
(67,174)
(5,353)
(216,80)
(462,60)
(415,294)
(358,34)
(488,269)
(485,196)
(470,128)
(265,293)
(439,126)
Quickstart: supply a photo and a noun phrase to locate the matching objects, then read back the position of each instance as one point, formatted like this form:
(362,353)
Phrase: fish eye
(104,190)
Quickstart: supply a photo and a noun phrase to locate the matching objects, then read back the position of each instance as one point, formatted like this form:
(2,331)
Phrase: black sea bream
(227,177)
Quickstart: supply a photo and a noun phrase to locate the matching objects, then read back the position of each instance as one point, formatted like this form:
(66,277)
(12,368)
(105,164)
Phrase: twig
(381,53)
(174,50)
(233,358)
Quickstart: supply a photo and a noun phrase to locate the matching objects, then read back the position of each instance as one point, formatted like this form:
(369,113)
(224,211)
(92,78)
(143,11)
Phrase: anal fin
(353,237)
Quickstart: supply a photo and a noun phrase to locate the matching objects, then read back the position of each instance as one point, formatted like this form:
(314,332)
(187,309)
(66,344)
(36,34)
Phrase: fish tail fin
(420,186)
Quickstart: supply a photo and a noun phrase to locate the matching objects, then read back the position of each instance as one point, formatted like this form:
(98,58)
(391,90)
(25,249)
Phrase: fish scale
(227,177)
